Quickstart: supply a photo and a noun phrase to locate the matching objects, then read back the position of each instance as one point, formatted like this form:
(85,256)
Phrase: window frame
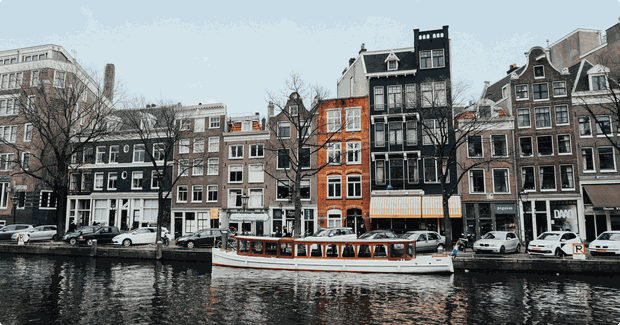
(214,144)
(613,159)
(357,186)
(112,176)
(531,147)
(138,152)
(524,174)
(334,153)
(210,190)
(570,148)
(538,111)
(238,177)
(134,177)
(262,198)
(552,151)
(334,184)
(98,178)
(553,85)
(234,152)
(542,69)
(556,115)
(355,114)
(186,191)
(352,147)
(505,141)
(522,89)
(506,177)
(283,125)
(471,181)
(210,164)
(540,92)
(214,122)
(378,92)
(194,192)
(588,124)
(572,179)
(540,175)
(519,118)
(585,163)
(469,149)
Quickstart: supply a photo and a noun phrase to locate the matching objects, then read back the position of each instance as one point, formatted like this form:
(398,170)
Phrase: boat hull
(420,264)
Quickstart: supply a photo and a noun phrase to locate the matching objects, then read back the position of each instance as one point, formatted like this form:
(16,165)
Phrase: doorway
(178,224)
(355,221)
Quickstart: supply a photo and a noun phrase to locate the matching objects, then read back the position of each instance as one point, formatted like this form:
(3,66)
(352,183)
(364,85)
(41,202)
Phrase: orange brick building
(343,193)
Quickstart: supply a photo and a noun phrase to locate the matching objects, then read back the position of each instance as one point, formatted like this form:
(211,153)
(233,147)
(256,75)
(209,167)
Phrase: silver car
(345,232)
(48,232)
(426,241)
(498,242)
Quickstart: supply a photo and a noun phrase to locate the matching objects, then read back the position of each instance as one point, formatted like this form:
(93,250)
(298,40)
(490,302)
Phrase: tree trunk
(61,212)
(447,222)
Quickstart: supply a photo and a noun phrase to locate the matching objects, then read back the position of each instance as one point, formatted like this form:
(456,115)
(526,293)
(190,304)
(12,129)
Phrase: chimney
(512,68)
(270,108)
(263,124)
(351,60)
(108,82)
(363,49)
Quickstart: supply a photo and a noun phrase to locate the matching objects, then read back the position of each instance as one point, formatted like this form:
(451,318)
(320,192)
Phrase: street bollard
(93,248)
(158,253)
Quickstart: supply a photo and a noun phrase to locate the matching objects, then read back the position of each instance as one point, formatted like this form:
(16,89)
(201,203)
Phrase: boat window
(316,250)
(286,249)
(363,251)
(397,250)
(380,251)
(332,250)
(244,246)
(271,248)
(411,250)
(348,251)
(301,250)
(257,247)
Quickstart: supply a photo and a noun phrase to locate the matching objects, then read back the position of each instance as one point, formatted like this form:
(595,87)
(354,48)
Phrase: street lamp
(244,201)
(14,201)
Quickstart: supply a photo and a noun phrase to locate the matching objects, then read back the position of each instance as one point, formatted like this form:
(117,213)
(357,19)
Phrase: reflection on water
(51,290)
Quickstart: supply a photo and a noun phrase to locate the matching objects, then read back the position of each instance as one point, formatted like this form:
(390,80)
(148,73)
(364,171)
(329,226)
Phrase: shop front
(601,209)
(248,223)
(482,217)
(187,221)
(541,215)
(285,217)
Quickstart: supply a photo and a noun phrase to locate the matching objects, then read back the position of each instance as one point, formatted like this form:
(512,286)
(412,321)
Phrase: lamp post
(244,201)
(14,201)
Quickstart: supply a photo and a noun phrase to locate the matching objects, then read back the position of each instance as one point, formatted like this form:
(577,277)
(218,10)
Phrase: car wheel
(502,250)
(89,242)
(72,241)
(54,238)
(127,242)
(440,247)
(559,252)
(518,249)
(190,244)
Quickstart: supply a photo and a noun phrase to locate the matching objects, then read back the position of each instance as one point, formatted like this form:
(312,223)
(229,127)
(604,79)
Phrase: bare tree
(295,137)
(63,112)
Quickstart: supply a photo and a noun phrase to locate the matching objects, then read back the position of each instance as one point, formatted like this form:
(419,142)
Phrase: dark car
(380,234)
(201,238)
(72,237)
(102,235)
(7,231)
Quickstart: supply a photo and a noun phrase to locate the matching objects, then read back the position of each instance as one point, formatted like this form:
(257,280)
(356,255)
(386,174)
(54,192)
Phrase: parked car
(558,243)
(606,243)
(201,238)
(72,237)
(48,232)
(103,234)
(498,242)
(380,234)
(426,241)
(146,235)
(7,232)
(345,232)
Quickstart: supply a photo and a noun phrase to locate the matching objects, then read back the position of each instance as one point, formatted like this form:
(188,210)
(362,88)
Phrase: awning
(396,207)
(432,206)
(604,195)
(248,217)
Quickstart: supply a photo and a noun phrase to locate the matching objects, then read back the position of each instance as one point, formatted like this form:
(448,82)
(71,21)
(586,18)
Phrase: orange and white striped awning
(432,206)
(429,206)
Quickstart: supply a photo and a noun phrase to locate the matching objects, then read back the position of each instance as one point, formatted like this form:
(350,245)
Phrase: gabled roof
(494,91)
(376,62)
(579,76)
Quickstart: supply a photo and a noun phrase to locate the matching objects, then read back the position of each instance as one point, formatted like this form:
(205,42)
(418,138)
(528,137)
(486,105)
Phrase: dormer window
(392,61)
(539,71)
(598,78)
(599,82)
(392,65)
(246,126)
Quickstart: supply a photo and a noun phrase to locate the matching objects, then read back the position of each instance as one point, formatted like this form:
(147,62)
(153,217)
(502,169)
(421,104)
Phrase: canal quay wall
(464,262)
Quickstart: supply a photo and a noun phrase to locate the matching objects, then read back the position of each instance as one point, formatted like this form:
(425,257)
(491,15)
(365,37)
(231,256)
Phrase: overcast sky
(233,52)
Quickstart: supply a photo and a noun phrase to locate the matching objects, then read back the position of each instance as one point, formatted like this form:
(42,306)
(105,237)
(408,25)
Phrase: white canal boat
(331,255)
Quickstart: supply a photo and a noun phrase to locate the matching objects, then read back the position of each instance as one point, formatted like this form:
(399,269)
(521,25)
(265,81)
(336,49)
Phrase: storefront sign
(563,214)
(505,208)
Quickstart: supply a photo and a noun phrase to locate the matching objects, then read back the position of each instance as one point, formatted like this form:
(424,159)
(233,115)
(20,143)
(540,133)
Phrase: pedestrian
(278,233)
(362,230)
(285,232)
(72,227)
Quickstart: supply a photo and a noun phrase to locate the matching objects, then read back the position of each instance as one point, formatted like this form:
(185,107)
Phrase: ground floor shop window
(564,216)
(506,222)
(615,222)
(190,222)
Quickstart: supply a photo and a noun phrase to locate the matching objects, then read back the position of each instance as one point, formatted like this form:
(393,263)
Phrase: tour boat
(331,255)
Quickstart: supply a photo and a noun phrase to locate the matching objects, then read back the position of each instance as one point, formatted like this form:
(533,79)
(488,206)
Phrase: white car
(606,243)
(345,232)
(558,243)
(498,242)
(146,235)
(48,232)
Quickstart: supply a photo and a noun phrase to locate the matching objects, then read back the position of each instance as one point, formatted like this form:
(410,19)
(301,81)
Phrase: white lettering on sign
(563,214)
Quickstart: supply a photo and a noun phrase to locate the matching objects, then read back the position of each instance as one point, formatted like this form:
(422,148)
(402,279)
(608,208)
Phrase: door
(112,218)
(178,224)
(433,241)
(124,214)
(422,243)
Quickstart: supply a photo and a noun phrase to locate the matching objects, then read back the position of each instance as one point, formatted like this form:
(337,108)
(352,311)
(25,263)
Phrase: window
(606,159)
(304,157)
(412,133)
(395,133)
(6,161)
(333,120)
(182,193)
(561,115)
(112,180)
(48,199)
(433,94)
(25,160)
(599,83)
(379,101)
(256,198)
(474,146)
(354,186)
(183,167)
(545,145)
(431,132)
(392,65)
(293,110)
(214,144)
(333,153)
(539,71)
(199,125)
(500,146)
(476,181)
(235,151)
(379,135)
(284,130)
(100,155)
(540,91)
(198,167)
(397,172)
(523,118)
(256,174)
(567,177)
(34,78)
(9,106)
(334,187)
(334,219)
(353,119)
(354,152)
(184,146)
(559,88)
(412,170)
(564,144)
(89,157)
(394,96)
(587,155)
(113,154)
(235,173)
(304,189)
(542,115)
(185,124)
(432,59)
(213,166)
(214,122)
(283,158)
(282,190)
(136,180)
(485,111)
(59,79)
(527,175)
(150,210)
(380,172)
(156,178)
(212,193)
(584,126)
(13,80)
(410,98)
(138,153)
(87,182)
(98,181)
(603,125)
(500,181)
(197,193)
(74,182)
(430,170)
(8,133)
(199,145)
(547,178)
(521,91)
(304,129)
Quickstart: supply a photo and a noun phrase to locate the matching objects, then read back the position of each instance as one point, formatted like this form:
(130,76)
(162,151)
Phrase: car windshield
(377,235)
(609,236)
(322,233)
(492,235)
(87,229)
(549,237)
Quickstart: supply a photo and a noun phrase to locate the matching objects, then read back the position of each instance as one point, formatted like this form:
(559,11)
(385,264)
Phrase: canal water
(60,290)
